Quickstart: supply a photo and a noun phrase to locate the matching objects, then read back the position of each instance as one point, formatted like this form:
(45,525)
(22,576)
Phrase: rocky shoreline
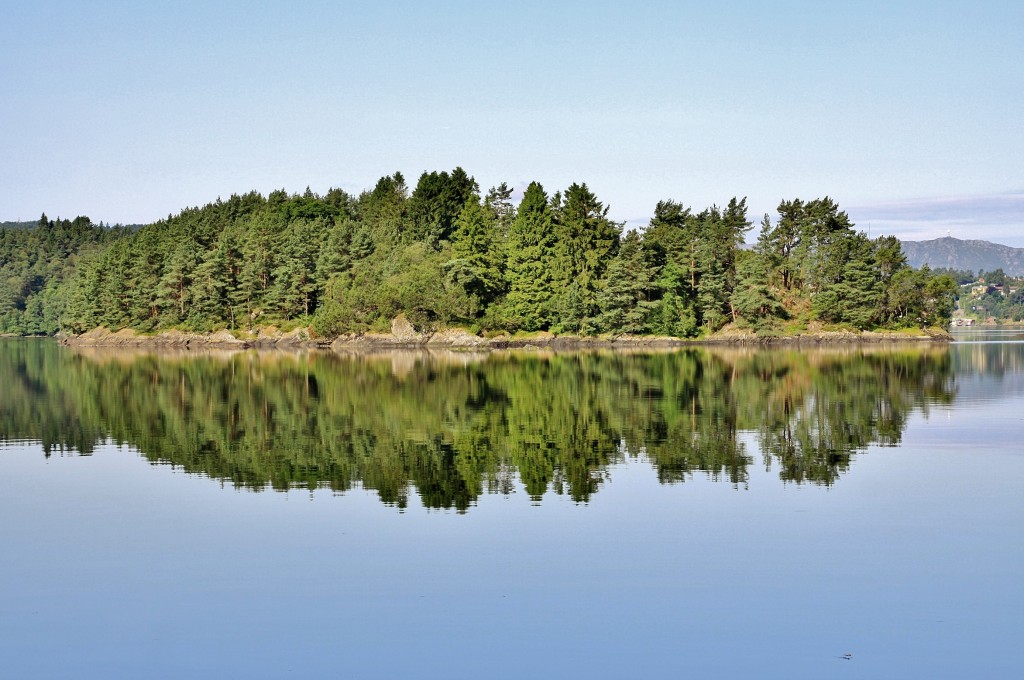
(404,336)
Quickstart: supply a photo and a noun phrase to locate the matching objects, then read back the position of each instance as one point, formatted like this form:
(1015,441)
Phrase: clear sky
(909,114)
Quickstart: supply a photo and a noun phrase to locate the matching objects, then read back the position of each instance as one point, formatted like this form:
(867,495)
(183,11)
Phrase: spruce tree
(586,242)
(624,299)
(530,261)
(476,263)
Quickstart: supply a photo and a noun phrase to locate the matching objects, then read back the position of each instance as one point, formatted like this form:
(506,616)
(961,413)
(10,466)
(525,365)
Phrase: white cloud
(995,217)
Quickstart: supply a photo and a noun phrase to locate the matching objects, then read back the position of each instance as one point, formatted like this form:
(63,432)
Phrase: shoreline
(403,336)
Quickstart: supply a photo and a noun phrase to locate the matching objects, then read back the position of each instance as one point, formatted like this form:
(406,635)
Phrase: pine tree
(436,202)
(625,296)
(476,263)
(260,250)
(499,203)
(295,286)
(530,261)
(753,298)
(586,242)
(175,289)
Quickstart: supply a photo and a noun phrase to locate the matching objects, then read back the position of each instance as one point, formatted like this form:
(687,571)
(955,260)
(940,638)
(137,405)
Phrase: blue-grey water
(706,513)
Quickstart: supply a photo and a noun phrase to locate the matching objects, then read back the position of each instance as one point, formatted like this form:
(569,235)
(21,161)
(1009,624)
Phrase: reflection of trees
(34,403)
(818,408)
(453,428)
(992,359)
(681,413)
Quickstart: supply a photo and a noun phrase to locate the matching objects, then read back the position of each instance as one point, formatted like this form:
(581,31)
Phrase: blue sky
(908,114)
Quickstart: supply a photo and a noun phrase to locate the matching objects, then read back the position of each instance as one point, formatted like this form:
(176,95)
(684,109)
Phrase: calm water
(719,513)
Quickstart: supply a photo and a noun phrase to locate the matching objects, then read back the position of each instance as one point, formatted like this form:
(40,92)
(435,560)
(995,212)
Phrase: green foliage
(961,276)
(499,203)
(436,203)
(531,264)
(815,259)
(625,300)
(998,301)
(444,255)
(478,259)
(417,287)
(673,317)
(36,261)
(920,298)
(753,299)
(586,241)
(993,278)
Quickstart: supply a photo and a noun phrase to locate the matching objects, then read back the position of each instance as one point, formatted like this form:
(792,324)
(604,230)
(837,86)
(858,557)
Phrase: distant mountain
(952,253)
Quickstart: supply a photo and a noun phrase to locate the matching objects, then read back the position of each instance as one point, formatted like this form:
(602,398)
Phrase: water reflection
(451,426)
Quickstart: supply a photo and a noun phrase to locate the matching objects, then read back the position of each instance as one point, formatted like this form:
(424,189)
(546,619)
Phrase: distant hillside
(952,253)
(35,223)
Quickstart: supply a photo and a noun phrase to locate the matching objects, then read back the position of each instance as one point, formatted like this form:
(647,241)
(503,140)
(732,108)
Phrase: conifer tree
(476,263)
(436,202)
(753,298)
(530,259)
(624,298)
(586,242)
(499,203)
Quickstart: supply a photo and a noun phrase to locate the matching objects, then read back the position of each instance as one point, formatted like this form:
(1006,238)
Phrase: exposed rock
(404,335)
(456,337)
(225,338)
(297,337)
(126,337)
(403,330)
(648,341)
(173,338)
(370,340)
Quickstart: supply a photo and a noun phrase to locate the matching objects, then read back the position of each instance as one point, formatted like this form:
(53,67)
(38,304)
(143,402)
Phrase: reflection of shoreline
(833,351)
(467,356)
(401,359)
(449,425)
(404,336)
(405,361)
(127,355)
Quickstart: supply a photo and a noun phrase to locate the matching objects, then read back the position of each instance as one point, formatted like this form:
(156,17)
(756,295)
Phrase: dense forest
(36,262)
(446,254)
(453,427)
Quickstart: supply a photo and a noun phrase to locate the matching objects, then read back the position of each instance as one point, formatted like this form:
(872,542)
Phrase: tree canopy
(446,254)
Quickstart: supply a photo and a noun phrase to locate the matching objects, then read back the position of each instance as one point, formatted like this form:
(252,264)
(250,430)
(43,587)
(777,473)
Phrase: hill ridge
(964,254)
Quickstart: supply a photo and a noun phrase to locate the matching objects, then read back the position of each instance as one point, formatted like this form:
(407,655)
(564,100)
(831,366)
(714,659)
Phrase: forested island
(447,255)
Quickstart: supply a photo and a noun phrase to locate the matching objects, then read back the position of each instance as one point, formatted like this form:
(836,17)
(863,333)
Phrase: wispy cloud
(996,217)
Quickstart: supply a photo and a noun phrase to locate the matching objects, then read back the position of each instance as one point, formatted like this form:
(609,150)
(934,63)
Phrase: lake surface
(701,513)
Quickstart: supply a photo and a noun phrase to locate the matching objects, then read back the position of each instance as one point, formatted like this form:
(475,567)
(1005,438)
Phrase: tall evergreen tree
(499,202)
(530,261)
(383,210)
(753,298)
(436,203)
(295,284)
(586,241)
(671,241)
(625,297)
(477,256)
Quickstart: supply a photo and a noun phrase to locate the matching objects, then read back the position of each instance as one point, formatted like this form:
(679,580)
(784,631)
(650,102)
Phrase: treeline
(35,261)
(446,254)
(452,430)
